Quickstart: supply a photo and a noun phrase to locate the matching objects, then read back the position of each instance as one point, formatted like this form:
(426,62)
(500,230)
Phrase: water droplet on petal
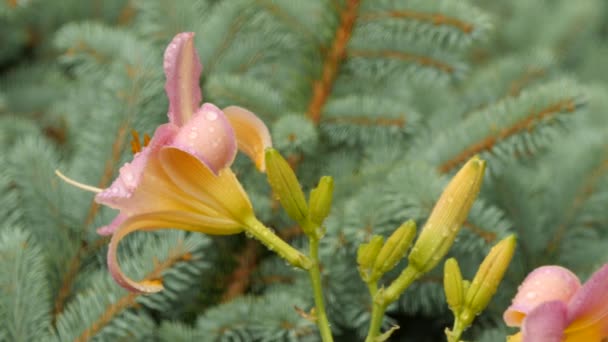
(192,135)
(211,116)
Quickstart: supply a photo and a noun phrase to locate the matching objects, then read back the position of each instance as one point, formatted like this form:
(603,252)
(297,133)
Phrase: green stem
(265,235)
(457,330)
(377,316)
(383,298)
(315,278)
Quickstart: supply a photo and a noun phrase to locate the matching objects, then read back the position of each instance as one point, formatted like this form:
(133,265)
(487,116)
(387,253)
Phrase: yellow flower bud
(366,256)
(489,275)
(285,185)
(452,285)
(447,217)
(320,200)
(395,248)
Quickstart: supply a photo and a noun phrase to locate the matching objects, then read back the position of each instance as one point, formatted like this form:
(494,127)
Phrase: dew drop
(211,116)
(193,135)
(531,295)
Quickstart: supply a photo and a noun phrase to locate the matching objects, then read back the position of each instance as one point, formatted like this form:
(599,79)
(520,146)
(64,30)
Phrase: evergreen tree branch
(368,121)
(488,236)
(422,60)
(240,278)
(129,300)
(489,141)
(437,19)
(83,251)
(285,18)
(322,87)
(588,188)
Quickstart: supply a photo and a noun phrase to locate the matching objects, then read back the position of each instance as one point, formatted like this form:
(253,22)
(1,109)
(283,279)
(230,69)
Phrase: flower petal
(111,228)
(547,283)
(589,306)
(130,174)
(222,193)
(183,70)
(209,137)
(153,221)
(251,134)
(545,323)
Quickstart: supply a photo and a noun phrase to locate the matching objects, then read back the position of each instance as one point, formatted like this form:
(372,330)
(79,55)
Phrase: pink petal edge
(544,284)
(209,137)
(546,323)
(591,300)
(111,228)
(130,174)
(183,71)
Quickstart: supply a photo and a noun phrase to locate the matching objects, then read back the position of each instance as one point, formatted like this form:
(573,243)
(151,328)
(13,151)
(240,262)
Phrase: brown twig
(404,56)
(366,121)
(240,278)
(488,142)
(322,87)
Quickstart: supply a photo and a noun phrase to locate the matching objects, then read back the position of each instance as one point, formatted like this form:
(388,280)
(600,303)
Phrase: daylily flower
(552,306)
(182,178)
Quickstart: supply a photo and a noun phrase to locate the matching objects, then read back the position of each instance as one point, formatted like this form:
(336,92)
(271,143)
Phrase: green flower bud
(320,200)
(395,248)
(447,217)
(489,275)
(452,285)
(285,185)
(366,256)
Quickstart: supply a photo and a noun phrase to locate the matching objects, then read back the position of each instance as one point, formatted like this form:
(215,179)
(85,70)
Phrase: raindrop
(211,116)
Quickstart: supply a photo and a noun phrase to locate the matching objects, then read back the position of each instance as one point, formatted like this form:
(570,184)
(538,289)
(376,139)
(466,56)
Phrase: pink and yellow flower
(182,178)
(552,306)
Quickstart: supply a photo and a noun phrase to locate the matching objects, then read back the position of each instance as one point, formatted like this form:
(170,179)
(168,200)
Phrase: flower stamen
(136,145)
(77,184)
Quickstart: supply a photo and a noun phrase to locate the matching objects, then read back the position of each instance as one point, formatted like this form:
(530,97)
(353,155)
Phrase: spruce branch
(129,300)
(487,143)
(437,19)
(322,87)
(587,189)
(404,56)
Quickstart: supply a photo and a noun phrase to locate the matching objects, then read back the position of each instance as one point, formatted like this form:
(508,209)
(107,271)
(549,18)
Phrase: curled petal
(251,134)
(588,308)
(183,69)
(545,323)
(153,221)
(223,193)
(130,174)
(547,283)
(111,228)
(209,137)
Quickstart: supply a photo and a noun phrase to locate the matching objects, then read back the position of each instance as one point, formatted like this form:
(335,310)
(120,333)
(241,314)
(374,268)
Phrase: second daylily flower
(552,306)
(182,178)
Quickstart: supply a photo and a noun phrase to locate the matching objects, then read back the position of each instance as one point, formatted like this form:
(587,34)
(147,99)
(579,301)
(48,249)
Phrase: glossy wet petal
(547,283)
(130,174)
(588,308)
(158,220)
(223,192)
(209,137)
(112,226)
(183,70)
(252,134)
(545,323)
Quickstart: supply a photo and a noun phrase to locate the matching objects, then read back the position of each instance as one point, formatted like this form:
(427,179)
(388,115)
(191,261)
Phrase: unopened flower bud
(489,275)
(285,185)
(320,200)
(452,285)
(447,217)
(366,256)
(395,248)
